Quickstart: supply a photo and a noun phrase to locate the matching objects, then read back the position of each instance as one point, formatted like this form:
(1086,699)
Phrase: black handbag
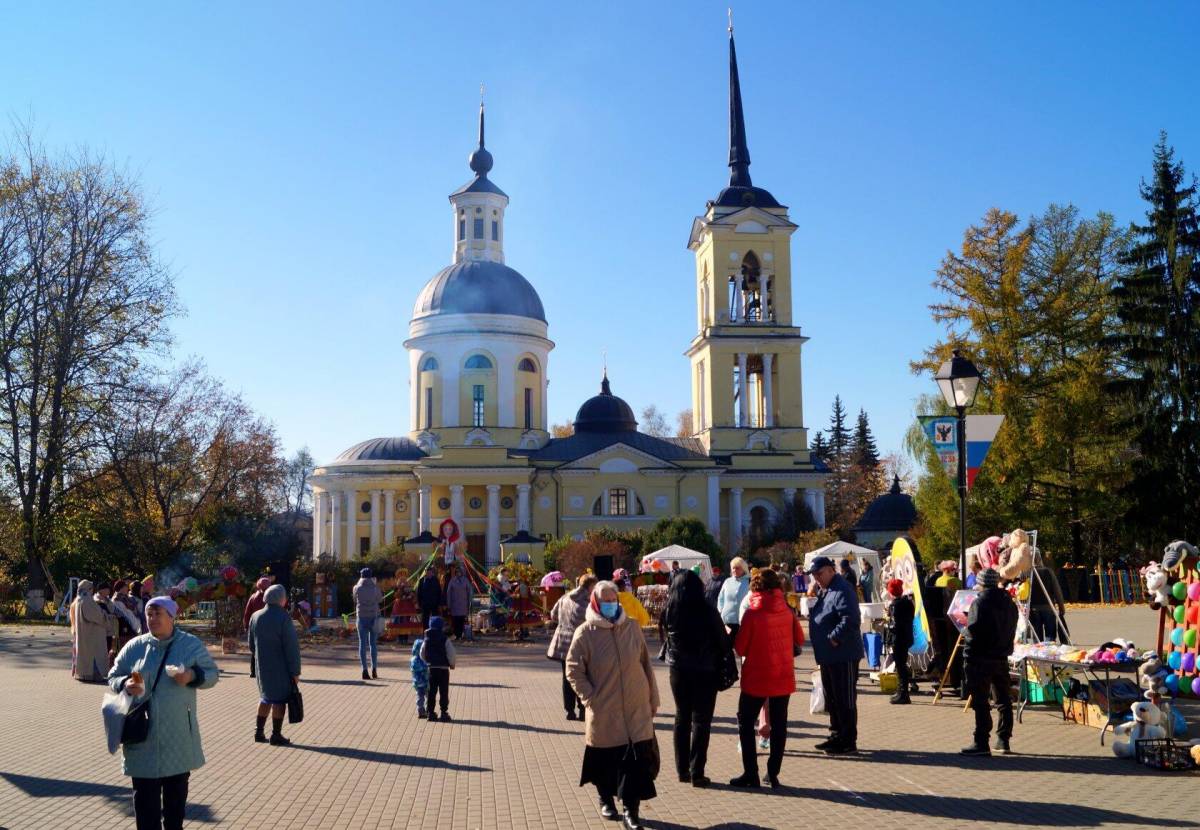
(295,705)
(728,674)
(137,722)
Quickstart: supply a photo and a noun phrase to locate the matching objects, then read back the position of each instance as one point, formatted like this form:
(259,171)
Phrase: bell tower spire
(479,207)
(739,152)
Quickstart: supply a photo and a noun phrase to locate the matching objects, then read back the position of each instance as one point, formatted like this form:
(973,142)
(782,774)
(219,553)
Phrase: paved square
(363,760)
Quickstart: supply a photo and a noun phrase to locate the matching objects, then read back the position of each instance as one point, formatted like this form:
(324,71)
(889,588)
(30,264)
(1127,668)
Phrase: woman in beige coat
(89,628)
(608,665)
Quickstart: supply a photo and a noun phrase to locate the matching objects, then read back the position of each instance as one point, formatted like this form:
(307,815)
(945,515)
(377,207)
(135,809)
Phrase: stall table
(1100,672)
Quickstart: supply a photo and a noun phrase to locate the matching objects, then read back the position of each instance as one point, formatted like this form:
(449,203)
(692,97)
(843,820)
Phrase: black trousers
(571,701)
(903,671)
(158,803)
(733,630)
(695,696)
(840,681)
(777,714)
(458,625)
(439,680)
(986,677)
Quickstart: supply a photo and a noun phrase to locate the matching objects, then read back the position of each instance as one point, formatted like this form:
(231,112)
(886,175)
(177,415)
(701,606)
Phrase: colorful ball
(1188,664)
(1174,660)
(1177,637)
(1172,683)
(1179,590)
(1194,591)
(1179,614)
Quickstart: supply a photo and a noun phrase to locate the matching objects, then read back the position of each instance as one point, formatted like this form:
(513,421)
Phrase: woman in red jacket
(768,640)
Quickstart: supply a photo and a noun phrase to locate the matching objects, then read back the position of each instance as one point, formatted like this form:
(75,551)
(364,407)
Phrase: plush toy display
(1018,559)
(989,552)
(1152,675)
(1195,750)
(1144,726)
(1156,585)
(1174,553)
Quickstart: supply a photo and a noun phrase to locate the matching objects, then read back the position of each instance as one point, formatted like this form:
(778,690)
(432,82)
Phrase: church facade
(478,449)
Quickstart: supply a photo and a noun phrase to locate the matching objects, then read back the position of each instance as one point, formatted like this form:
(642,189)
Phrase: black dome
(893,511)
(479,287)
(383,449)
(605,413)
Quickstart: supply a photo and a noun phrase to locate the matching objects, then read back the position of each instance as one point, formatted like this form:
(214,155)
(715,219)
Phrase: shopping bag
(816,703)
(380,626)
(113,709)
(295,705)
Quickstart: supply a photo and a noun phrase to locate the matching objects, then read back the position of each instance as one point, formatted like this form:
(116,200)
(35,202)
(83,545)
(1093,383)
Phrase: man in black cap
(834,626)
(987,642)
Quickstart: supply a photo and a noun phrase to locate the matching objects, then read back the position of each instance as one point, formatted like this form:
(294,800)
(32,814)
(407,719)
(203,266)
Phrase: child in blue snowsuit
(420,676)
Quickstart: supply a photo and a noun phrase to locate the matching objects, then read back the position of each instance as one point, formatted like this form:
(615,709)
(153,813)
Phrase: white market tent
(837,551)
(686,557)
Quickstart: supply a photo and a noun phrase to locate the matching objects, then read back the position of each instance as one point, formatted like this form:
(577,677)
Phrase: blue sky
(299,155)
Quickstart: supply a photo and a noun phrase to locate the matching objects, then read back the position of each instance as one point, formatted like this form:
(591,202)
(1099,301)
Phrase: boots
(608,809)
(900,698)
(630,819)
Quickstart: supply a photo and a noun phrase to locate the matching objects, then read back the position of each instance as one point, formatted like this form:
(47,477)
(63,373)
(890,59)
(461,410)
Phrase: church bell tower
(745,357)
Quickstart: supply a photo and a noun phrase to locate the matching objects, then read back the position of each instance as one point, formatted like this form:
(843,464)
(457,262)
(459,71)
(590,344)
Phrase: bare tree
(654,423)
(295,493)
(684,428)
(82,300)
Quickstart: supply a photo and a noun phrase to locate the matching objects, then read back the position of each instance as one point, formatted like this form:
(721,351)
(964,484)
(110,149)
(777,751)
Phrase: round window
(366,507)
(443,504)
(506,502)
(475,502)
(401,505)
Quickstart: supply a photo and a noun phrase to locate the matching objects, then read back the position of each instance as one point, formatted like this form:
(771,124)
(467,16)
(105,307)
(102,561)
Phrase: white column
(789,496)
(456,507)
(493,524)
(318,522)
(335,525)
(426,506)
(810,501)
(820,515)
(506,394)
(735,518)
(414,513)
(743,390)
(374,519)
(739,304)
(523,507)
(351,525)
(714,506)
(389,516)
(768,399)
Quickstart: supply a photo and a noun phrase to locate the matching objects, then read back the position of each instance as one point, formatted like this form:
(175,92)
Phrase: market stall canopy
(686,557)
(837,551)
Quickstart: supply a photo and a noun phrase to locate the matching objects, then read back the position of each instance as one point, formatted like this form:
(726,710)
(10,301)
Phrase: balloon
(192,584)
(1194,591)
(1177,637)
(1196,686)
(1189,637)
(1193,614)
(1179,590)
(1189,663)
(1179,614)
(1172,683)
(1174,660)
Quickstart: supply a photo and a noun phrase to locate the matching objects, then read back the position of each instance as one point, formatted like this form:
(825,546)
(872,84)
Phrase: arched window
(751,287)
(477,361)
(597,508)
(526,365)
(430,365)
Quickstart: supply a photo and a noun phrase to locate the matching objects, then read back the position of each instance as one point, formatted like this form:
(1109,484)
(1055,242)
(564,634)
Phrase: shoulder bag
(137,722)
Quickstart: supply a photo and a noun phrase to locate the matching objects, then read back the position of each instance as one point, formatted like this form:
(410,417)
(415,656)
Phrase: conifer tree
(819,449)
(864,452)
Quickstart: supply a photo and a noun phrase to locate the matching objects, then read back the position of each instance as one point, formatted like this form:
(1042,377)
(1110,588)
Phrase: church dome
(894,511)
(605,413)
(479,287)
(383,449)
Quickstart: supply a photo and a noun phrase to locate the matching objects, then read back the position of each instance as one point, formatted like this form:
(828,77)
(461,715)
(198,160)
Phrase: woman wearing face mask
(608,665)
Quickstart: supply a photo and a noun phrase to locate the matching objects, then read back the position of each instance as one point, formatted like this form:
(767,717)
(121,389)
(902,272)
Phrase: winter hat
(437,623)
(165,603)
(948,565)
(275,595)
(895,587)
(264,582)
(365,573)
(989,578)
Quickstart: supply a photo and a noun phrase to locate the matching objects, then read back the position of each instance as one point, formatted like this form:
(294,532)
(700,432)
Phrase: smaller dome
(605,413)
(383,449)
(893,511)
(480,161)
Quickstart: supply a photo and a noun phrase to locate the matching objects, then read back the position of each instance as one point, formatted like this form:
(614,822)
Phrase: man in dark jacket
(834,628)
(429,596)
(987,643)
(904,610)
(713,590)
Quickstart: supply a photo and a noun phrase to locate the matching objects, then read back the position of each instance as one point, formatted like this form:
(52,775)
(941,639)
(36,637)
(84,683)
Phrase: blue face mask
(609,610)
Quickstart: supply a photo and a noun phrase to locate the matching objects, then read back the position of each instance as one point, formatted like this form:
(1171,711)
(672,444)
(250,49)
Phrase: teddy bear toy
(1017,560)
(1151,676)
(1156,585)
(989,552)
(1174,553)
(1195,750)
(1144,726)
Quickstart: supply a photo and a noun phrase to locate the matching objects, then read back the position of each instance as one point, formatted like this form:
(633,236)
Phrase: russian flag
(981,432)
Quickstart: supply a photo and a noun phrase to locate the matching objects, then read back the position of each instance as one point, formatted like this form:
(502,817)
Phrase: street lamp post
(958,380)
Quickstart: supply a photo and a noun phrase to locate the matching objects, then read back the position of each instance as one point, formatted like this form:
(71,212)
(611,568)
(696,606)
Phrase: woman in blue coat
(160,765)
(276,651)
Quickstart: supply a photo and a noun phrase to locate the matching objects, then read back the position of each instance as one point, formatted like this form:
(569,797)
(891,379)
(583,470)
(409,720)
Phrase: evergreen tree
(839,498)
(866,478)
(819,449)
(864,451)
(1158,342)
(839,436)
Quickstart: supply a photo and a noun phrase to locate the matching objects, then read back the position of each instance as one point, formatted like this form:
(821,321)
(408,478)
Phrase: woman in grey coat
(276,650)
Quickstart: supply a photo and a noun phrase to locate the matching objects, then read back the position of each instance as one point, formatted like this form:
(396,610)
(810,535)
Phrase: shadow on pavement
(357,681)
(1066,764)
(389,758)
(482,686)
(517,727)
(35,787)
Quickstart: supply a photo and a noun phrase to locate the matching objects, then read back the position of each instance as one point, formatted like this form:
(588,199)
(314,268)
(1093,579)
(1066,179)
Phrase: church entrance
(477,546)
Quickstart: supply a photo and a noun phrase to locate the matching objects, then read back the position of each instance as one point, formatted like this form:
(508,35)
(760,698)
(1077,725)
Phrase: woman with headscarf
(458,600)
(696,646)
(767,641)
(609,668)
(165,666)
(253,605)
(567,614)
(89,630)
(276,650)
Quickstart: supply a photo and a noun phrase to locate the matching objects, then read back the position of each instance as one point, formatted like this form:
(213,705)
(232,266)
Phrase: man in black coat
(987,643)
(429,596)
(904,611)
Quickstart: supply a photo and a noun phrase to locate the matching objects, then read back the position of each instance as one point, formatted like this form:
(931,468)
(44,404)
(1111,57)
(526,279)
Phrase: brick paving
(362,759)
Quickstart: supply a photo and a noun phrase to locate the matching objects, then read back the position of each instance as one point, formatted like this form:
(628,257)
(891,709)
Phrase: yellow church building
(478,448)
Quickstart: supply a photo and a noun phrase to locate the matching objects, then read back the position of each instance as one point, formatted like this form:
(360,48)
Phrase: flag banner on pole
(942,431)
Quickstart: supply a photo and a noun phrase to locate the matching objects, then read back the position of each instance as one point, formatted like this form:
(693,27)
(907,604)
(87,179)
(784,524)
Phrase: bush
(687,531)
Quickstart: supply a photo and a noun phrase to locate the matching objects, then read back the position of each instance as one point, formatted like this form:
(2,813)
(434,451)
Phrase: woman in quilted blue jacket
(161,764)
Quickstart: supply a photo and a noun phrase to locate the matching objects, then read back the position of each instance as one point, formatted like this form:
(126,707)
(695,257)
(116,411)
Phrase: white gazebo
(686,557)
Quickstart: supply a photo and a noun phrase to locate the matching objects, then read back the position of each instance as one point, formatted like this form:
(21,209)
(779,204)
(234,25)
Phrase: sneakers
(366,676)
(446,717)
(745,782)
(841,749)
(764,743)
(1001,746)
(631,820)
(975,750)
(824,745)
